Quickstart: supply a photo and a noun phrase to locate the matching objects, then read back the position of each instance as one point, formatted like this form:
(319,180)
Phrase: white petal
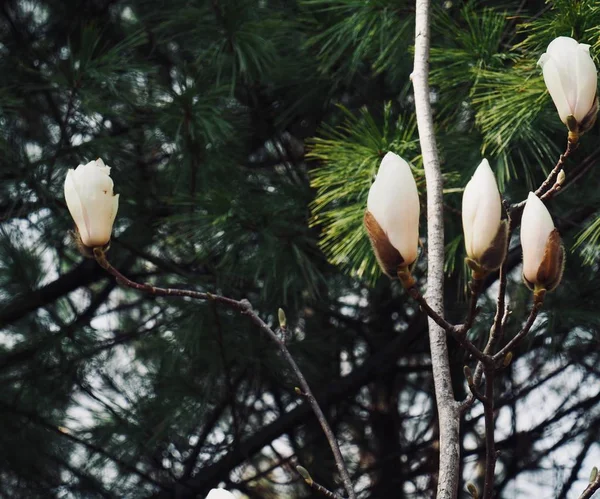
(94,189)
(552,78)
(394,202)
(115,208)
(220,494)
(587,81)
(536,226)
(481,211)
(74,204)
(562,49)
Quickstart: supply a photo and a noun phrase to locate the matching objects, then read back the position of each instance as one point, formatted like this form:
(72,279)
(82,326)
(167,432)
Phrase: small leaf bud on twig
(304,474)
(282,318)
(471,489)
(468,375)
(593,474)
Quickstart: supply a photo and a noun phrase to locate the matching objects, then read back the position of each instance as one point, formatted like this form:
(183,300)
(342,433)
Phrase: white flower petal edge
(536,226)
(394,203)
(481,211)
(91,202)
(220,494)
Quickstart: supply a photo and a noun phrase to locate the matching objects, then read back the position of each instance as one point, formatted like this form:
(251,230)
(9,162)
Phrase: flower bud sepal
(576,128)
(98,253)
(539,293)
(388,257)
(86,251)
(405,277)
(493,257)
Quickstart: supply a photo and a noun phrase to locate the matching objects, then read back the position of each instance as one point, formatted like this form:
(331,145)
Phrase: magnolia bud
(593,474)
(485,234)
(90,199)
(392,217)
(571,79)
(220,494)
(543,252)
(468,375)
(472,490)
(304,474)
(282,318)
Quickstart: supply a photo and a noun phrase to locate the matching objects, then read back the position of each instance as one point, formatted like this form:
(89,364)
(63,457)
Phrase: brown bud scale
(389,258)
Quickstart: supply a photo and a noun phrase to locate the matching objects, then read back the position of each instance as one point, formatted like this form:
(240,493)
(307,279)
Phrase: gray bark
(448,411)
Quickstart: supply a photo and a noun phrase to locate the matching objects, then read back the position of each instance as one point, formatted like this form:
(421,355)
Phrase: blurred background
(243,136)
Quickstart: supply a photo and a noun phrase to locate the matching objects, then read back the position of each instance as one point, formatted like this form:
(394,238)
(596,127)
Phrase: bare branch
(447,407)
(594,485)
(244,307)
(490,443)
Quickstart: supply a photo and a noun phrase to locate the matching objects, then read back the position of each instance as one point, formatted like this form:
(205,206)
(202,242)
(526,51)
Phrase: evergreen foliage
(243,136)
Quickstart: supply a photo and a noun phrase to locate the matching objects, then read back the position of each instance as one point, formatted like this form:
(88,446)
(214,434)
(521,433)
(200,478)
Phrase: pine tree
(243,137)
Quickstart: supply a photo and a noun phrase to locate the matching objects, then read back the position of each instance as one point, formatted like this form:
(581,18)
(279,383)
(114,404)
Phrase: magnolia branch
(457,332)
(447,407)
(548,187)
(245,308)
(490,442)
(593,486)
(314,485)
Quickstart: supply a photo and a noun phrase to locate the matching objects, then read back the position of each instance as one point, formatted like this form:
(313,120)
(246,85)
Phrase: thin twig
(514,342)
(490,443)
(475,288)
(476,393)
(548,187)
(244,307)
(314,485)
(457,332)
(439,320)
(323,491)
(591,489)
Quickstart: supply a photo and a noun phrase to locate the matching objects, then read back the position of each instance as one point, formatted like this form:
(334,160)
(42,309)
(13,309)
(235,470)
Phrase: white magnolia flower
(91,201)
(571,78)
(543,254)
(393,203)
(481,211)
(220,494)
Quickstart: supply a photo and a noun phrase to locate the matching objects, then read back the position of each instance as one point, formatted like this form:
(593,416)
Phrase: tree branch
(591,489)
(447,407)
(244,307)
(490,443)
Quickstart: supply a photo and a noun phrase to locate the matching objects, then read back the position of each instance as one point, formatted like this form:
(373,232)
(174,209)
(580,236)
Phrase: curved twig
(245,307)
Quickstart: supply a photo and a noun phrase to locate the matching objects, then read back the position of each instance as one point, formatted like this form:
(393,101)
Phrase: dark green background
(243,137)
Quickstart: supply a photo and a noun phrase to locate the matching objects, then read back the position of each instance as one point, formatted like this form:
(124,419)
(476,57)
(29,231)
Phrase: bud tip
(593,474)
(304,474)
(282,318)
